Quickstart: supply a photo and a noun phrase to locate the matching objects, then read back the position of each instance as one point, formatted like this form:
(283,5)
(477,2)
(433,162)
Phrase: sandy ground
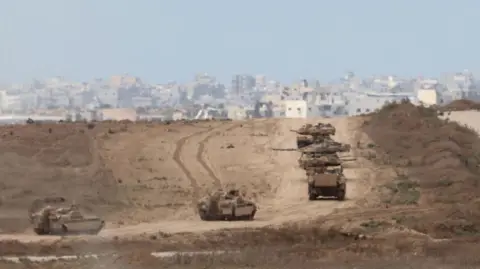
(161,171)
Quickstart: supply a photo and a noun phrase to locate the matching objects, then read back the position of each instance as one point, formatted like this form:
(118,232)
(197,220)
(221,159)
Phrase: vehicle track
(177,158)
(201,153)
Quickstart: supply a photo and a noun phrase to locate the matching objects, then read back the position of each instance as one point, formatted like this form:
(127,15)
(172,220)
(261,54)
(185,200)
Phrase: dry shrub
(272,257)
(460,105)
(291,235)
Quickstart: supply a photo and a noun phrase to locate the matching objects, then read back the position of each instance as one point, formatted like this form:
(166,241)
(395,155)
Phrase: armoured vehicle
(52,219)
(326,147)
(319,129)
(329,183)
(310,134)
(307,161)
(42,202)
(307,140)
(226,206)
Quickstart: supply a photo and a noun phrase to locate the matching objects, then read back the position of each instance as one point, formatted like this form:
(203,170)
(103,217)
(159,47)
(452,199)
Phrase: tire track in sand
(201,153)
(178,160)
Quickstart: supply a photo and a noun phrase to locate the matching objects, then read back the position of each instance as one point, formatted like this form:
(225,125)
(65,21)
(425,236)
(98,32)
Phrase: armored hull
(329,183)
(226,206)
(319,129)
(306,162)
(64,221)
(326,147)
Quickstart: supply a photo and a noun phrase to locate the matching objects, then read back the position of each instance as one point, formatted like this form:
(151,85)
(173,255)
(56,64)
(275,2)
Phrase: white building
(296,109)
(428,96)
(108,96)
(178,115)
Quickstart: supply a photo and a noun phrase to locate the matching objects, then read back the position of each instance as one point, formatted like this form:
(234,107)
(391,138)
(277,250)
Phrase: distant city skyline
(159,41)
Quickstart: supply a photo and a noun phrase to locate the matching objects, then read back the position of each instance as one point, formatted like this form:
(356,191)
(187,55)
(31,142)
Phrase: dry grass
(289,235)
(283,257)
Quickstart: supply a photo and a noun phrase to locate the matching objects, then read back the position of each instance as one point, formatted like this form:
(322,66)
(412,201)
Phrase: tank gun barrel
(286,149)
(348,159)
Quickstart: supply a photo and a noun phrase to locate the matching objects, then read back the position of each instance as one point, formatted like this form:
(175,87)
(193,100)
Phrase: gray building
(242,83)
(371,102)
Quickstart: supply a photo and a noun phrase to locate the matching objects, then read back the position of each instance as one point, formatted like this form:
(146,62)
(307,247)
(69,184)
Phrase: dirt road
(200,160)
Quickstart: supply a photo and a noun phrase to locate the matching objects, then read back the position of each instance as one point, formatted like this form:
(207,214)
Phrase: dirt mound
(460,105)
(41,160)
(437,166)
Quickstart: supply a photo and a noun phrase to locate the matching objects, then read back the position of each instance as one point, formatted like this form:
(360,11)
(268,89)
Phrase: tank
(54,220)
(228,205)
(307,140)
(312,170)
(326,147)
(307,161)
(38,204)
(319,129)
(320,160)
(330,183)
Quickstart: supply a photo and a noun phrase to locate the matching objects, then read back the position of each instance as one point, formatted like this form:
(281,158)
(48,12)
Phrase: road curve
(201,153)
(177,158)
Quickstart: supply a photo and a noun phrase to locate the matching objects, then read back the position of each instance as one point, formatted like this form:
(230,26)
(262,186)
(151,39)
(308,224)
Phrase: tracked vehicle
(51,219)
(226,206)
(310,134)
(320,160)
(327,183)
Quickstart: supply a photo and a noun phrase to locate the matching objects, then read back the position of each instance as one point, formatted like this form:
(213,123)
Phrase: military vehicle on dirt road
(310,134)
(324,169)
(327,183)
(223,205)
(326,147)
(319,129)
(320,160)
(308,162)
(307,140)
(47,217)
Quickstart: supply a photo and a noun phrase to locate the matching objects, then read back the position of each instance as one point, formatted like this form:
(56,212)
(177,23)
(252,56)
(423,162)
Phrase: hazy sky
(162,40)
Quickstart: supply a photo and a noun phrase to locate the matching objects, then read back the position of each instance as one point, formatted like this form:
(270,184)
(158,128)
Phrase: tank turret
(319,129)
(326,147)
(306,161)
